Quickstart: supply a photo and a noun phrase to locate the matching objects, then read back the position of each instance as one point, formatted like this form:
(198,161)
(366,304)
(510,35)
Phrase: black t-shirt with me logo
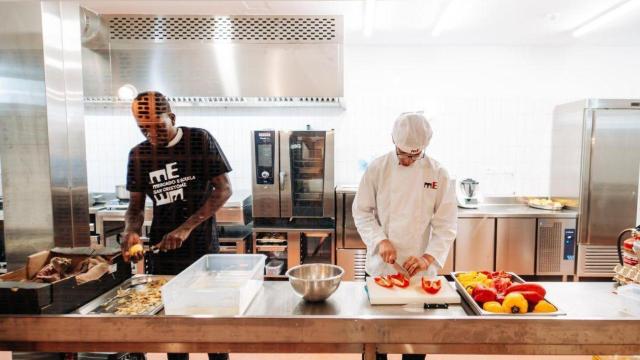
(177,179)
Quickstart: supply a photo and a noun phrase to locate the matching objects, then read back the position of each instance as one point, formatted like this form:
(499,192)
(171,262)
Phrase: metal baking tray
(479,311)
(105,303)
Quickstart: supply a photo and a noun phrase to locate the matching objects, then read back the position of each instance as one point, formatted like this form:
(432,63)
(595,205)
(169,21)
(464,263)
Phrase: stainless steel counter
(279,321)
(514,211)
(237,201)
(497,210)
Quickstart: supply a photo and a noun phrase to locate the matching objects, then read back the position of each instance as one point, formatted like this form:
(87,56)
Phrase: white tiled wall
(491,109)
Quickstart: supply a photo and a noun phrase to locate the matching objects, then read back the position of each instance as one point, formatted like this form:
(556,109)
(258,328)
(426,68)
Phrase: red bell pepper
(431,287)
(399,280)
(483,294)
(522,287)
(383,281)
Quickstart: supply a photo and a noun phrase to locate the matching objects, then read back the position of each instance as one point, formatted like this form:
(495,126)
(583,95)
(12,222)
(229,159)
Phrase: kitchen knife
(153,249)
(401,270)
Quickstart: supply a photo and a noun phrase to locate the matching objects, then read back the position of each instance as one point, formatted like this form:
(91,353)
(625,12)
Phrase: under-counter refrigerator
(595,162)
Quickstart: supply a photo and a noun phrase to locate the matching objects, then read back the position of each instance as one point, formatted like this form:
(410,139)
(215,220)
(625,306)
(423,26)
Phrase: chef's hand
(415,264)
(387,251)
(174,239)
(130,239)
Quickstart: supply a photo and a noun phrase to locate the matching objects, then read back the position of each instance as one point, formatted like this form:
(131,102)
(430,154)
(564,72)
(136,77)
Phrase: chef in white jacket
(405,209)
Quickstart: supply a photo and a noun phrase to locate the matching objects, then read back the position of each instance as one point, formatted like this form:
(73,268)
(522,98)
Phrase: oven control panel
(265,157)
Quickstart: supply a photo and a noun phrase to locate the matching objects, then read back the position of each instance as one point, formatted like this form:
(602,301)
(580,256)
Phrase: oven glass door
(307,157)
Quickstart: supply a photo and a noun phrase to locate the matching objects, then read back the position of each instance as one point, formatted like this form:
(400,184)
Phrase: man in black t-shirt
(184,171)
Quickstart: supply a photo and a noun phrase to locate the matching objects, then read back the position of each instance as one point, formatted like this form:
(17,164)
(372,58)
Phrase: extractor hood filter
(222,60)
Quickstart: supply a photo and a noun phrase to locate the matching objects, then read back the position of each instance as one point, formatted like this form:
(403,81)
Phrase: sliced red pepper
(432,287)
(501,284)
(500,274)
(383,281)
(399,280)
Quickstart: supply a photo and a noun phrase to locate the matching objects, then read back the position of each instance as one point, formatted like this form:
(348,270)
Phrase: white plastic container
(218,284)
(274,267)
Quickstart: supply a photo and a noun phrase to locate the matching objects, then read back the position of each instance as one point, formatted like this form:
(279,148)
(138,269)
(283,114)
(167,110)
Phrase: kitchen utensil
(121,192)
(436,306)
(315,282)
(467,193)
(401,270)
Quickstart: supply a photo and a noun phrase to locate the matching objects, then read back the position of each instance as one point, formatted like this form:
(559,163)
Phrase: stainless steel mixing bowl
(315,282)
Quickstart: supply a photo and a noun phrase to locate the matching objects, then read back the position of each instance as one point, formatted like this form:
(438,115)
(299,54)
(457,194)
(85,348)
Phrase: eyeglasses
(405,156)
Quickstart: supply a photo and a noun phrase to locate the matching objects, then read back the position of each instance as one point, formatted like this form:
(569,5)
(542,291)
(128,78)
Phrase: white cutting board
(413,294)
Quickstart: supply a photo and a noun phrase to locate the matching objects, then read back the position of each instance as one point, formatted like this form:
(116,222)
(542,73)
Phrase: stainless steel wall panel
(65,113)
(96,63)
(28,220)
(566,150)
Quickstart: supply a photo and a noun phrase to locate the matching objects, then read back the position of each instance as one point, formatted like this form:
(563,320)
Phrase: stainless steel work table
(279,321)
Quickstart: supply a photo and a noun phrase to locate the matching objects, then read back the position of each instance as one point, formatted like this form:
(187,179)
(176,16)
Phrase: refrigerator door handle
(282,177)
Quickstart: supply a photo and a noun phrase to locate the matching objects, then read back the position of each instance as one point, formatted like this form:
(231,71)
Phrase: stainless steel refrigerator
(595,161)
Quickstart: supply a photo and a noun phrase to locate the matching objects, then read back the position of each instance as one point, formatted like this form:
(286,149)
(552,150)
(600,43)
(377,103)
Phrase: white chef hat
(411,132)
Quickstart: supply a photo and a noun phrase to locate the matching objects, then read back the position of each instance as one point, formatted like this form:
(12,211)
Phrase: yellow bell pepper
(492,306)
(471,277)
(543,306)
(514,303)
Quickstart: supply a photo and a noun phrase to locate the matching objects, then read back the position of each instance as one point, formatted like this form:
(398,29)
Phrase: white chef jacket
(412,206)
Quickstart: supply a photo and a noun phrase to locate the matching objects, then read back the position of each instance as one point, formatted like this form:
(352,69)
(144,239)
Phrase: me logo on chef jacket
(431,185)
(167,184)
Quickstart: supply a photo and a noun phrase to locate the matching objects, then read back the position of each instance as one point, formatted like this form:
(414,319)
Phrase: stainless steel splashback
(42,129)
(217,60)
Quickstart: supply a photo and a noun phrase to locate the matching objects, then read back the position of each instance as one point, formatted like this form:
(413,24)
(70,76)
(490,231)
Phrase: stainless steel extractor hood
(216,60)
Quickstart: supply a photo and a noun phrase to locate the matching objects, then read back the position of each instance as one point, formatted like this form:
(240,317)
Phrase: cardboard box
(19,295)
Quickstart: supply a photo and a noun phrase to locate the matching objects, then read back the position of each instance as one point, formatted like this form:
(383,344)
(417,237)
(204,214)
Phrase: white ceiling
(476,22)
